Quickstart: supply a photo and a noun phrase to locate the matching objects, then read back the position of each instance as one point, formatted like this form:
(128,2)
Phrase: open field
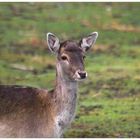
(109,100)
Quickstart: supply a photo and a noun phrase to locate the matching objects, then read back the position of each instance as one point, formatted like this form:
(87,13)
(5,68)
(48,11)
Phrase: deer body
(24,112)
(33,112)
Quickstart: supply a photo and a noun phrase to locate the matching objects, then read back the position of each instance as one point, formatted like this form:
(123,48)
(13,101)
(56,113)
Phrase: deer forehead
(70,48)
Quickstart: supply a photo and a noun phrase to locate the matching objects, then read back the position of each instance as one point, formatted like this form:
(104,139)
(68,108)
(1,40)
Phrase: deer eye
(84,57)
(63,57)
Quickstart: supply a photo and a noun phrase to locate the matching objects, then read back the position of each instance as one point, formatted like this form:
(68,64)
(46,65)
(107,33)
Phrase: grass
(107,118)
(109,100)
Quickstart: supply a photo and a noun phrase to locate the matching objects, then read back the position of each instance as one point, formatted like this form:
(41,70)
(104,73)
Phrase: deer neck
(66,90)
(65,96)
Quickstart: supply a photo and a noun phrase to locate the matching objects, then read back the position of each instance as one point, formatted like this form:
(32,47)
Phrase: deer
(29,112)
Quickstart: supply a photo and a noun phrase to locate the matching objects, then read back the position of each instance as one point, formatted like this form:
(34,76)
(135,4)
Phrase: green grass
(107,118)
(109,99)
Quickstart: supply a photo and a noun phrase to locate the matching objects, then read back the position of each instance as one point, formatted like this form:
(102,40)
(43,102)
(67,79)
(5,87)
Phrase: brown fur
(74,53)
(27,106)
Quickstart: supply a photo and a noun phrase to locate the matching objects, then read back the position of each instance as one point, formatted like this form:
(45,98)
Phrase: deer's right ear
(53,42)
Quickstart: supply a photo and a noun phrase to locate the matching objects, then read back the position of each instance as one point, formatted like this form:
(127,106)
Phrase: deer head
(71,54)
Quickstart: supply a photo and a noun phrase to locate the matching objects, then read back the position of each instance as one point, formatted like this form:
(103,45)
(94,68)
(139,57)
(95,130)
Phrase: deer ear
(88,41)
(53,42)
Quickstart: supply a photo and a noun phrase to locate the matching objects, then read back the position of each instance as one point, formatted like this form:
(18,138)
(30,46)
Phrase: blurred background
(109,100)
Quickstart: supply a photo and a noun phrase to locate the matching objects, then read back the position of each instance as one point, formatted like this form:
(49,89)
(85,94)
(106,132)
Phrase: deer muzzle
(80,75)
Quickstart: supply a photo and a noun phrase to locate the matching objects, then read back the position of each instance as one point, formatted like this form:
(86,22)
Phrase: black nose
(82,74)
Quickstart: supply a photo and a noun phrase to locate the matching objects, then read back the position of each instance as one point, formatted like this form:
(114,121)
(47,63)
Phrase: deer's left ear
(88,41)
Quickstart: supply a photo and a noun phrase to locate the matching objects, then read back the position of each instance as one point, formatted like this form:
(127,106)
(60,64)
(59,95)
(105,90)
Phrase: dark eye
(84,57)
(64,57)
